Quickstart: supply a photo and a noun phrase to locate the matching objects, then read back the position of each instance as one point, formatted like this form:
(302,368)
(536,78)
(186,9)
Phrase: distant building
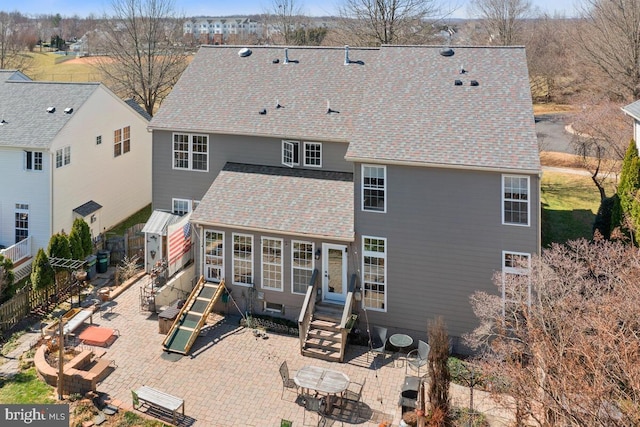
(210,30)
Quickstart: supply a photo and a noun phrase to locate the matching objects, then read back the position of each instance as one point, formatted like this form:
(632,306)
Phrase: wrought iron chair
(287,381)
(419,357)
(353,395)
(317,405)
(378,342)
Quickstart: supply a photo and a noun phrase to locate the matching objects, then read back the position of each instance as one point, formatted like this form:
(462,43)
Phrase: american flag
(179,242)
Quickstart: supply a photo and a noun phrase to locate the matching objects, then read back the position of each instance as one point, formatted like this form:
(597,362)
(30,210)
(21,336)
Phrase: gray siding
(444,240)
(169,183)
(292,301)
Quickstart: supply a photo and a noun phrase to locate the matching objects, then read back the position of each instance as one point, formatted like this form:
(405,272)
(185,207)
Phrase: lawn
(47,66)
(137,218)
(569,206)
(26,387)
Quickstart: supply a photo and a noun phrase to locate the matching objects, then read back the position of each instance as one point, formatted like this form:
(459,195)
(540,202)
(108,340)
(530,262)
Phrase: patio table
(322,380)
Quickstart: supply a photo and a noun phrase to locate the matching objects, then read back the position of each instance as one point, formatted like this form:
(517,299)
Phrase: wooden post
(60,358)
(421,406)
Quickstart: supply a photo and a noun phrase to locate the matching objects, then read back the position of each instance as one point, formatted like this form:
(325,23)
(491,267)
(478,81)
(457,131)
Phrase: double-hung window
(301,266)
(272,263)
(33,160)
(374,269)
(374,188)
(21,222)
(242,259)
(213,255)
(63,156)
(516,283)
(121,141)
(515,200)
(313,154)
(190,152)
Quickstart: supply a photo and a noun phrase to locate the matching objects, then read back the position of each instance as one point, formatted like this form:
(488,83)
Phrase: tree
(12,42)
(42,274)
(59,246)
(143,57)
(6,274)
(439,368)
(378,22)
(608,41)
(628,186)
(80,230)
(502,19)
(561,337)
(284,19)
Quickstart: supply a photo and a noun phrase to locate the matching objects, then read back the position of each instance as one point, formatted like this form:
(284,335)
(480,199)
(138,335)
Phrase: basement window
(272,307)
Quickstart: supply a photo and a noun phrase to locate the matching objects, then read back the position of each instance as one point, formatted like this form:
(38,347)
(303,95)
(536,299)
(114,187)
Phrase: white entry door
(334,273)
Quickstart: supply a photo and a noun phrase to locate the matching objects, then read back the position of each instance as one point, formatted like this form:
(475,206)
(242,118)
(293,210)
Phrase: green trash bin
(103,261)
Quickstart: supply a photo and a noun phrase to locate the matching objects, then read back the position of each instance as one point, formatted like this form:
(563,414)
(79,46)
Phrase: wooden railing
(309,305)
(348,318)
(19,251)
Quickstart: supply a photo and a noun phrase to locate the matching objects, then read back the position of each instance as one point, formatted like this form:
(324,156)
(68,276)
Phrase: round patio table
(400,342)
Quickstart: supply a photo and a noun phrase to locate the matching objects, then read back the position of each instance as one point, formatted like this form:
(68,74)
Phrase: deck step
(323,354)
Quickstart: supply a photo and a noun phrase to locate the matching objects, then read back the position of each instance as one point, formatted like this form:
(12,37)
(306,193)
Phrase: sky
(83,8)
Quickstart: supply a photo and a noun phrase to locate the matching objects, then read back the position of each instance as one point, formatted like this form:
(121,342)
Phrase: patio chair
(287,381)
(286,423)
(317,405)
(419,357)
(353,395)
(378,342)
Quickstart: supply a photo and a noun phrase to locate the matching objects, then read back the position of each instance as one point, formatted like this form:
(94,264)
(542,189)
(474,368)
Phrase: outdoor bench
(151,396)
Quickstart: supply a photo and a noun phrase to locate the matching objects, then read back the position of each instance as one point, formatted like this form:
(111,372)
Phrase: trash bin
(103,261)
(90,266)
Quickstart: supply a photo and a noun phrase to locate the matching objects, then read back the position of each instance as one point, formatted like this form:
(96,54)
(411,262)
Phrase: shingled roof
(392,104)
(241,190)
(24,108)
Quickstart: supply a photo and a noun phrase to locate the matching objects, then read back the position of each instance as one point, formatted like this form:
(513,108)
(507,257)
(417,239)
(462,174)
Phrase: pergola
(70,265)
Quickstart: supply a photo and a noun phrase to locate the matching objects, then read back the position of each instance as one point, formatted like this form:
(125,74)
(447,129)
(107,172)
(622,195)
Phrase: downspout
(51,209)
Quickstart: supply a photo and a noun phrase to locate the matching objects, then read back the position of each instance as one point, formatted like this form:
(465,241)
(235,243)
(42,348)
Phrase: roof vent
(278,104)
(244,52)
(3,122)
(462,70)
(329,110)
(68,110)
(446,52)
(276,61)
(51,110)
(286,55)
(263,111)
(346,55)
(458,82)
(474,83)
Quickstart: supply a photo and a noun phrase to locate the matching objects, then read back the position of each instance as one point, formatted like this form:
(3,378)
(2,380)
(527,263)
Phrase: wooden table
(322,380)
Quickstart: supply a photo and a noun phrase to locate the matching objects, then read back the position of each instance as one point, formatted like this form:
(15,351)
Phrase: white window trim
(233,260)
(190,153)
(33,161)
(362,207)
(63,153)
(173,205)
(304,154)
(204,254)
(280,288)
(528,201)
(313,262)
(376,255)
(517,271)
(290,145)
(267,309)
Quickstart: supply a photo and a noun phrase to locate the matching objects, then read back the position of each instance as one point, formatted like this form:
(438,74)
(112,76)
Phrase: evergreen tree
(42,274)
(6,274)
(75,245)
(627,189)
(59,246)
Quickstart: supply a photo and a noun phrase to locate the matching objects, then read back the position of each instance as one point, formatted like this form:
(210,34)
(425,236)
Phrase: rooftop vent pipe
(286,55)
(68,110)
(51,109)
(346,55)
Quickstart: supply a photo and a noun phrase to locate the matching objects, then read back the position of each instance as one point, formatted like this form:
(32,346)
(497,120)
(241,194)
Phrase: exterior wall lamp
(317,255)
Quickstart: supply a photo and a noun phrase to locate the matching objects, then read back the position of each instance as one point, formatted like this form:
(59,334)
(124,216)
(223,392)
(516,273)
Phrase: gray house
(389,182)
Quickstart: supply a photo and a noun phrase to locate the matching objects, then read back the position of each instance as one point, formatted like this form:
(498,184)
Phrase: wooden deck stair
(324,338)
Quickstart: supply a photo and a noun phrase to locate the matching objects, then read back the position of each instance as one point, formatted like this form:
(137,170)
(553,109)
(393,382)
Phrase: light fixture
(318,252)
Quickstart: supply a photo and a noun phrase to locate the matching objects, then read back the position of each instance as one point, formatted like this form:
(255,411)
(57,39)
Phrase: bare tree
(562,338)
(609,46)
(378,22)
(283,20)
(502,19)
(143,58)
(602,134)
(13,42)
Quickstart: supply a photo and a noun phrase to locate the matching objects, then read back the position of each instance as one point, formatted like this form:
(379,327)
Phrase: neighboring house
(67,150)
(412,169)
(218,30)
(633,110)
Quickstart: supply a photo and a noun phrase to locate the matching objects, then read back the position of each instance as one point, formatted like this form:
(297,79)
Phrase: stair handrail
(308,306)
(347,313)
(203,317)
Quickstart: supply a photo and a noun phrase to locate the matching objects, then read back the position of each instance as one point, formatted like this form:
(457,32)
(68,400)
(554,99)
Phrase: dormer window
(313,154)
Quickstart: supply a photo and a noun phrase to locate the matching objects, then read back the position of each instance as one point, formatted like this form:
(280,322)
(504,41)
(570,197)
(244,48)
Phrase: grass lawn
(26,387)
(137,218)
(45,68)
(569,206)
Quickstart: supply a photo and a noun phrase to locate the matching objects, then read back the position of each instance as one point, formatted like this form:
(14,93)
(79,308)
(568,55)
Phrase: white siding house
(67,150)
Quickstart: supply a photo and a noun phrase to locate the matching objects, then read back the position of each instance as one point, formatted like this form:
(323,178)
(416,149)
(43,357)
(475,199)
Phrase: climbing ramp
(192,316)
